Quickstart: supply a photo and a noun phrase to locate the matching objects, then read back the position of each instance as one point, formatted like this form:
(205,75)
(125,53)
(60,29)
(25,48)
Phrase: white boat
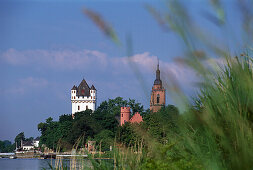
(13,157)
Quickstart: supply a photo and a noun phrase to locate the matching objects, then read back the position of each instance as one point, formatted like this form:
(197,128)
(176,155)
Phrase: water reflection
(29,164)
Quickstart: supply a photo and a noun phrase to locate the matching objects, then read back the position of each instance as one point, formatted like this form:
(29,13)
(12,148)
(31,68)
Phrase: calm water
(27,164)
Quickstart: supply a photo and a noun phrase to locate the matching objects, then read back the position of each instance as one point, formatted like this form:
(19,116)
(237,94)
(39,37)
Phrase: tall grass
(214,132)
(222,118)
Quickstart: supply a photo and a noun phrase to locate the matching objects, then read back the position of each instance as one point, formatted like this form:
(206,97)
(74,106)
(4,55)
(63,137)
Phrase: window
(158,98)
(91,97)
(121,115)
(78,107)
(74,97)
(87,108)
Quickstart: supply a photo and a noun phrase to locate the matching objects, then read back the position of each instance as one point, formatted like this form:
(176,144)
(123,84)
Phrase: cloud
(33,82)
(143,60)
(58,59)
(25,84)
(66,59)
(146,62)
(81,59)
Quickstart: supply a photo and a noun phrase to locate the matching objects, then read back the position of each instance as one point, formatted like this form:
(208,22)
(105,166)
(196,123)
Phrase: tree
(19,137)
(84,125)
(65,117)
(104,138)
(163,123)
(6,146)
(100,124)
(136,107)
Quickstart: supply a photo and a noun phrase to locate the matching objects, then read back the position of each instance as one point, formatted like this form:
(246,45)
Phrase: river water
(29,164)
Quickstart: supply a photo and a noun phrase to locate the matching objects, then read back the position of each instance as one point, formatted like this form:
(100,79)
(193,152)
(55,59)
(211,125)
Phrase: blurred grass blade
(102,25)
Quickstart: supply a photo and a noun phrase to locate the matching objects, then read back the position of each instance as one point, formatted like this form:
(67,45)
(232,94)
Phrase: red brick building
(125,116)
(157,100)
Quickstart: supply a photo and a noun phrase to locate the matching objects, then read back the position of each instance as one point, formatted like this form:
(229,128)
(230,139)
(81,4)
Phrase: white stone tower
(83,97)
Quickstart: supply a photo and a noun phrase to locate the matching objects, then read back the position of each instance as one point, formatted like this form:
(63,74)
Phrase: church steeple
(158,80)
(157,99)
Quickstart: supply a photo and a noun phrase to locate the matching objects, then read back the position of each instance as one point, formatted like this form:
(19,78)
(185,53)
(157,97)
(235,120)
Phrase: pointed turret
(74,88)
(158,81)
(92,87)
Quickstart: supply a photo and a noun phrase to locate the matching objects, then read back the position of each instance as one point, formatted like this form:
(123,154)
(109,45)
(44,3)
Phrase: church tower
(157,100)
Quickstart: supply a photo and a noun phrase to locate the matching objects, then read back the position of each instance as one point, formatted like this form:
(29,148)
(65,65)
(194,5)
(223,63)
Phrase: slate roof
(38,138)
(28,143)
(92,87)
(83,89)
(74,88)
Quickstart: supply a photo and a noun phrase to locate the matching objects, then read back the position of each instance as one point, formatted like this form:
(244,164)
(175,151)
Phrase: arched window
(87,108)
(158,98)
(78,107)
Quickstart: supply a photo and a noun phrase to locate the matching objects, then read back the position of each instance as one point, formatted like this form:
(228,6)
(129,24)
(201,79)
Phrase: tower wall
(154,105)
(93,94)
(124,115)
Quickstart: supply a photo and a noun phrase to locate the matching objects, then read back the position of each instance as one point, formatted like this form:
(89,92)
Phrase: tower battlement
(125,109)
(125,116)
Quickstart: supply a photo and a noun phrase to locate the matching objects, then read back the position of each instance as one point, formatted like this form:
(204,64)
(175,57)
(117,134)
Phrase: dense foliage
(6,146)
(101,125)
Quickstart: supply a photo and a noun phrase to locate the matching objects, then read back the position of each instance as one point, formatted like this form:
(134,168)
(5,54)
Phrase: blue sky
(47,47)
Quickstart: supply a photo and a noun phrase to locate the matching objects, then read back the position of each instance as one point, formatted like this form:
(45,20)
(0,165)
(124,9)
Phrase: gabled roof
(28,143)
(92,87)
(38,138)
(83,89)
(136,118)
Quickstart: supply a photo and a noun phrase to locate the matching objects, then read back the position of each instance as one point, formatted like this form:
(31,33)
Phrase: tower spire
(157,63)
(157,81)
(157,99)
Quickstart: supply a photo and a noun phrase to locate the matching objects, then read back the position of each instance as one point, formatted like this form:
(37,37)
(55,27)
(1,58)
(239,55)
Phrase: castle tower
(158,93)
(124,115)
(83,97)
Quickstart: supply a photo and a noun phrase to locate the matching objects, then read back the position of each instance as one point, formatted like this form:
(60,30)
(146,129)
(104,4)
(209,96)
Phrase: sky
(46,47)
